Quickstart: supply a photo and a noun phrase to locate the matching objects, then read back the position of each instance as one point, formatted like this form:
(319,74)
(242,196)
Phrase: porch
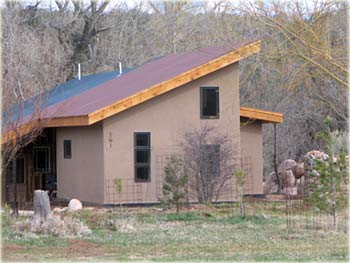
(34,167)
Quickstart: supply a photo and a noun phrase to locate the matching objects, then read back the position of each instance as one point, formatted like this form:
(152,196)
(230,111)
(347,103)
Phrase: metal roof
(112,88)
(93,93)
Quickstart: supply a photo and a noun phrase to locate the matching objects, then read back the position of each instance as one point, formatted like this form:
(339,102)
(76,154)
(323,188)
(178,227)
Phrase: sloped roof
(98,96)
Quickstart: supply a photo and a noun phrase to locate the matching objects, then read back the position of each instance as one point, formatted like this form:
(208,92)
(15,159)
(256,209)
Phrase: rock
(74,205)
(270,186)
(300,186)
(56,210)
(25,213)
(285,169)
(298,170)
(290,179)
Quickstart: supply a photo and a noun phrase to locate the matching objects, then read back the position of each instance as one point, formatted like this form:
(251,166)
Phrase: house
(96,127)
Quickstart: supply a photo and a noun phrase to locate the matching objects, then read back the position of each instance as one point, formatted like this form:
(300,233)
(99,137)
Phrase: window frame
(65,155)
(48,169)
(147,164)
(202,90)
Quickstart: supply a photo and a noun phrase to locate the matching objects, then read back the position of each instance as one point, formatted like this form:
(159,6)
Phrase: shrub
(66,227)
(175,183)
(329,178)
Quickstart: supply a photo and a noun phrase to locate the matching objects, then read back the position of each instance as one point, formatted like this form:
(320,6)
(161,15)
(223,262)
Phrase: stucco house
(123,125)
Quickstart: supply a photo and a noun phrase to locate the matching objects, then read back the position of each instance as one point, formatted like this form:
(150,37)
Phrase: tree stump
(42,209)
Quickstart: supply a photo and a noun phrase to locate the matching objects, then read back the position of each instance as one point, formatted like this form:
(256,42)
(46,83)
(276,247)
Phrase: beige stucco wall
(167,117)
(81,176)
(252,155)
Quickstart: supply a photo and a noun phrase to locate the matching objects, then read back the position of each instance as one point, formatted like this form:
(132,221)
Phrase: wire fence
(131,192)
(295,213)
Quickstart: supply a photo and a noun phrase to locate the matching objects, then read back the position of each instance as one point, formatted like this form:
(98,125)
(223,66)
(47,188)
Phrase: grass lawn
(206,234)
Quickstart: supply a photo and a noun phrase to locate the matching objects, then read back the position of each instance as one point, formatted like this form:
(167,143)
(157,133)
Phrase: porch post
(14,177)
(275,157)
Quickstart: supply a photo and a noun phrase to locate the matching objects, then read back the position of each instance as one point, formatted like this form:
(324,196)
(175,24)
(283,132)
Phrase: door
(41,167)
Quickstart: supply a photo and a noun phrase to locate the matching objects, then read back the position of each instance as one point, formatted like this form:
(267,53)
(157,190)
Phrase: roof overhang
(261,115)
(250,113)
(146,94)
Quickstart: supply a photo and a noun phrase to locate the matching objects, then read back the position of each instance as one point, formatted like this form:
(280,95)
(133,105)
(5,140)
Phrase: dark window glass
(9,171)
(209,102)
(41,159)
(67,149)
(142,173)
(210,160)
(142,156)
(142,139)
(19,171)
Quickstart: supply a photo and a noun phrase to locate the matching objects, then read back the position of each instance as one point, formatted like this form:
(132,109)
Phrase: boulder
(298,170)
(270,186)
(290,179)
(74,205)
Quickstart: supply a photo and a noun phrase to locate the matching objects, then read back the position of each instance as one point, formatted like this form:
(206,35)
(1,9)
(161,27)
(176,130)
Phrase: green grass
(213,234)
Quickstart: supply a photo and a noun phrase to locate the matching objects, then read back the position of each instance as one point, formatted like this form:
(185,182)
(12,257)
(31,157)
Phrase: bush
(66,227)
(175,183)
(122,225)
(326,191)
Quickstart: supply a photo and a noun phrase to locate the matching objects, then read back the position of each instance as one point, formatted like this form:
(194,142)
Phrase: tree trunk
(42,209)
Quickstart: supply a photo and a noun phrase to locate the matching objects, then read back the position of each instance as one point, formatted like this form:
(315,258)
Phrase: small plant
(240,181)
(119,188)
(329,176)
(175,183)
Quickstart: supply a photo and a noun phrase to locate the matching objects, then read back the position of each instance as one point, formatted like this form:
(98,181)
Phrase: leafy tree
(326,190)
(175,183)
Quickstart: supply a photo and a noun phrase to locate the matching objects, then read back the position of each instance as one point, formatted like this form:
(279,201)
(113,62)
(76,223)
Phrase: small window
(67,149)
(142,156)
(209,102)
(41,158)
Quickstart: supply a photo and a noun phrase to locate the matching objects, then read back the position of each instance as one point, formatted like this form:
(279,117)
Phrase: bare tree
(209,160)
(31,65)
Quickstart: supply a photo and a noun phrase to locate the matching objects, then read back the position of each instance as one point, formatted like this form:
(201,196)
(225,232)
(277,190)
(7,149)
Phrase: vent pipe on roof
(79,72)
(120,68)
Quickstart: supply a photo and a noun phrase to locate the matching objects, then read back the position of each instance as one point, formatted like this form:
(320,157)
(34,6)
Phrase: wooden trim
(45,123)
(264,116)
(175,82)
(20,131)
(68,121)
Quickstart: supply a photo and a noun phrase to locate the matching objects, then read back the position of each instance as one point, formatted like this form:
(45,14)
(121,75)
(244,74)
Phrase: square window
(209,97)
(67,149)
(142,139)
(142,173)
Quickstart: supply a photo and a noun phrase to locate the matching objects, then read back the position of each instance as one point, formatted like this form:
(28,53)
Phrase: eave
(261,115)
